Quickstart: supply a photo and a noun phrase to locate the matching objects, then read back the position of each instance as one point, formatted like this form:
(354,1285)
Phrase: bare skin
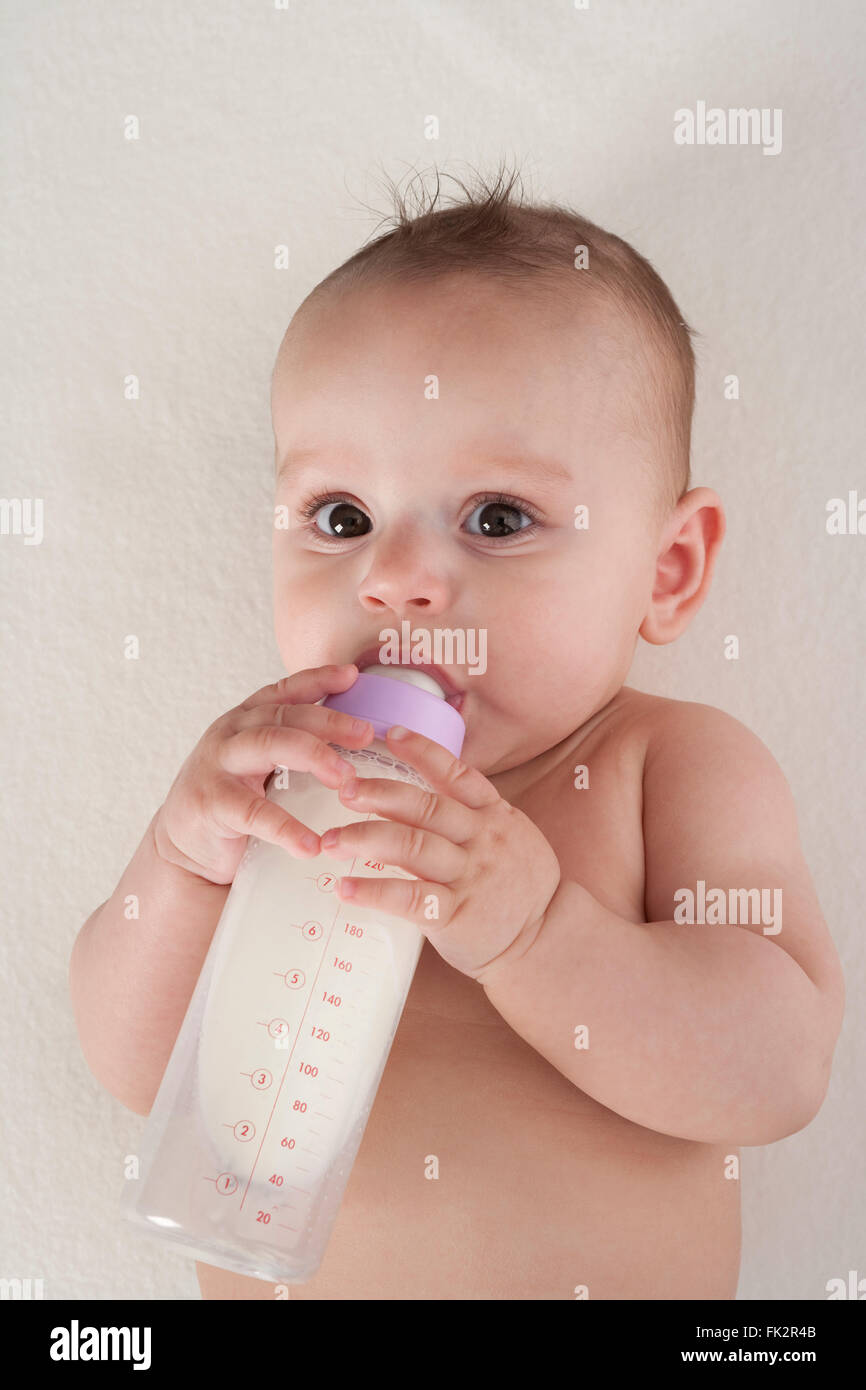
(541,1188)
(546,1188)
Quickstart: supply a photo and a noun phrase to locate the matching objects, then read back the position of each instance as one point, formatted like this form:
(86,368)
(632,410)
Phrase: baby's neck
(514,781)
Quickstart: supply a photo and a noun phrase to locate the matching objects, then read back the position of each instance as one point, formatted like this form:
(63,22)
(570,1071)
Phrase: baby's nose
(405,587)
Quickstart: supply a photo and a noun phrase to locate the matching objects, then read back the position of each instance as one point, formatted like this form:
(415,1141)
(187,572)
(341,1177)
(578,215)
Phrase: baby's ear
(690,543)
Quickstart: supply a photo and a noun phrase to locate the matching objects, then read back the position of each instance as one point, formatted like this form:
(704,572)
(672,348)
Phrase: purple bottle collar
(385,701)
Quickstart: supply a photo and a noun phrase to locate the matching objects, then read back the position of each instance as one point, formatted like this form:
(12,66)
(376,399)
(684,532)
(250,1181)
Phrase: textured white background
(262,126)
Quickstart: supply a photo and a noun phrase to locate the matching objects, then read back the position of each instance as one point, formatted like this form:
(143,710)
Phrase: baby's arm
(131,979)
(714,1033)
(136,960)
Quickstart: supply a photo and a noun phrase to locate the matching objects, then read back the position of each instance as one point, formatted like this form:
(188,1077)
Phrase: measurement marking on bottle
(307,1004)
(356,942)
(297,980)
(226,1183)
(260,1078)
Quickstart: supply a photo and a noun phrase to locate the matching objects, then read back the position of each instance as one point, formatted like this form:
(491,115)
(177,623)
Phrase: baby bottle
(251,1139)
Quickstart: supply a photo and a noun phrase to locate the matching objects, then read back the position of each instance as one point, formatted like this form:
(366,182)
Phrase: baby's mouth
(453,695)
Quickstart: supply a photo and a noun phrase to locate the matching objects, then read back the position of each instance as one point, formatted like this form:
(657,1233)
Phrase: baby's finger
(255,752)
(393,800)
(332,725)
(304,687)
(419,852)
(238,811)
(442,771)
(407,898)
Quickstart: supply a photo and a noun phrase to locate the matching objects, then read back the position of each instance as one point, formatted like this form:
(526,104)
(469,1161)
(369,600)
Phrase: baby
(482,426)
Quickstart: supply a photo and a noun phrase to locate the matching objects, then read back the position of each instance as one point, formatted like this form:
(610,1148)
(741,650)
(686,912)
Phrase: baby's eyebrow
(294,459)
(532,467)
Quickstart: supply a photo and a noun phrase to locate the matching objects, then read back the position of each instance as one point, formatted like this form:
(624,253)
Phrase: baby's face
(416,405)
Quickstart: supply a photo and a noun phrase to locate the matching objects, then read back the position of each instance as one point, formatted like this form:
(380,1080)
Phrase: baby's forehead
(584,354)
(518,317)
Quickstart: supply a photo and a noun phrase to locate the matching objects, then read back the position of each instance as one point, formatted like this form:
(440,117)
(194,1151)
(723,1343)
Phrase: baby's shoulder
(658,731)
(643,744)
(687,750)
(658,719)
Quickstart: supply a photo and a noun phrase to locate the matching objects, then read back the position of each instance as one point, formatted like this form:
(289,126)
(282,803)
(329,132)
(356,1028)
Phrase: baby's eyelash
(506,500)
(311,505)
(308,508)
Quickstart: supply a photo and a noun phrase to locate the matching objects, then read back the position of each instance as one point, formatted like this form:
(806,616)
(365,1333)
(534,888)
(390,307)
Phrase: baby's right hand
(217,799)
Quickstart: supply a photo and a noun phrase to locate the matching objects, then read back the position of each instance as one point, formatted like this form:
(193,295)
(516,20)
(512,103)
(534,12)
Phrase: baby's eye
(344,518)
(499,517)
(334,518)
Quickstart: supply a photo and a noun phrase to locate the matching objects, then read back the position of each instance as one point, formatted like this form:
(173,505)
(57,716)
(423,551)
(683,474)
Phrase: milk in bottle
(262,1108)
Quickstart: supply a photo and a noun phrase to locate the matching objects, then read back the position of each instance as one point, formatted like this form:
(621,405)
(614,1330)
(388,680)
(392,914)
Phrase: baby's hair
(495,231)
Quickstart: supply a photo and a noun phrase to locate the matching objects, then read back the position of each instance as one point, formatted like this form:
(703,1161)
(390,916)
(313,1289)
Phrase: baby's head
(491,350)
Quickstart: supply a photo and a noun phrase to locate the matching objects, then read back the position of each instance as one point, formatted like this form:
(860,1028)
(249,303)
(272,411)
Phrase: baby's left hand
(489,869)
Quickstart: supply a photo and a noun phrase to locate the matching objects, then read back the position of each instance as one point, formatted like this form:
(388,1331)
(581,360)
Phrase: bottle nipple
(409,676)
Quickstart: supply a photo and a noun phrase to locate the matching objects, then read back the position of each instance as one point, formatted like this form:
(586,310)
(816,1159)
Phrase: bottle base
(261,1266)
